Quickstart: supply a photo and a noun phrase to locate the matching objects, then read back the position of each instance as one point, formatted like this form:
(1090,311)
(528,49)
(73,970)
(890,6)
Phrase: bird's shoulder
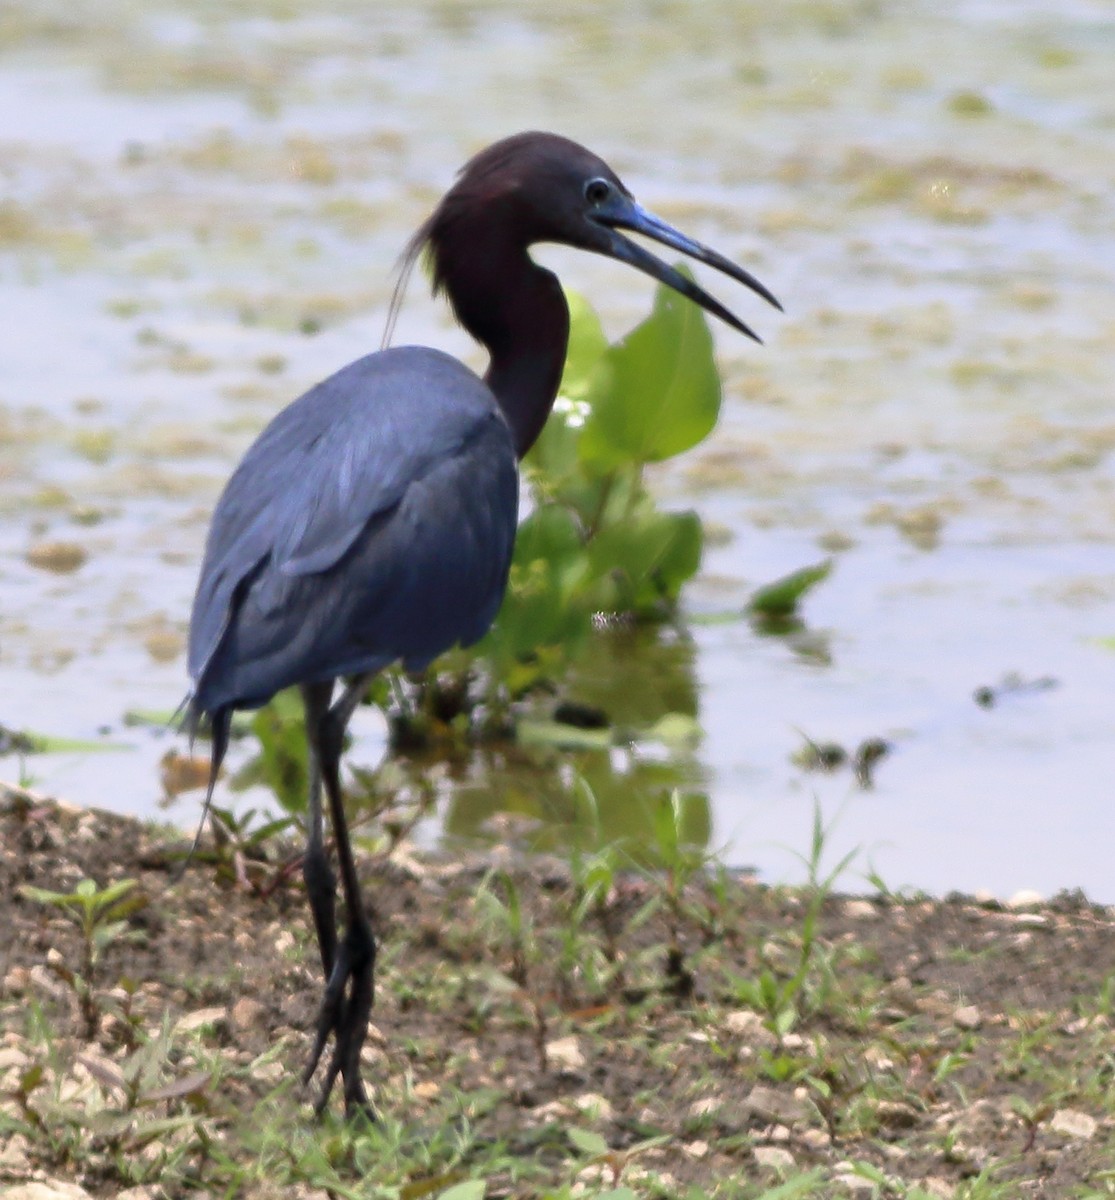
(331,462)
(351,446)
(410,400)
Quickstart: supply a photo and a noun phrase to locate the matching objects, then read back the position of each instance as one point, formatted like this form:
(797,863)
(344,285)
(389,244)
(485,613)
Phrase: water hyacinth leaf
(656,393)
(587,345)
(542,607)
(552,462)
(646,560)
(780,598)
(283,762)
(676,729)
(553,459)
(549,534)
(682,557)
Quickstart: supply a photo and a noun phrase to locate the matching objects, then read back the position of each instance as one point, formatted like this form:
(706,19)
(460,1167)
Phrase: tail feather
(220,722)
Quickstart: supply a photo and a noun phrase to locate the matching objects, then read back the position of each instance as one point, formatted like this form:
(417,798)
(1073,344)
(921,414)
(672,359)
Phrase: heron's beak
(622,212)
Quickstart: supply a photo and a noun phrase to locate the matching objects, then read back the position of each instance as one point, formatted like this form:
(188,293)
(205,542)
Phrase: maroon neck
(517,311)
(529,355)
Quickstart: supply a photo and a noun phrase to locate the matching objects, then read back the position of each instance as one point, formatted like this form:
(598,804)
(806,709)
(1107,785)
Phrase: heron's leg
(321,884)
(346,1016)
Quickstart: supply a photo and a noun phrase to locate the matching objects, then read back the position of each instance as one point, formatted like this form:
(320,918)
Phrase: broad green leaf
(553,457)
(544,607)
(682,557)
(587,345)
(656,393)
(646,559)
(283,760)
(780,599)
(675,729)
(548,534)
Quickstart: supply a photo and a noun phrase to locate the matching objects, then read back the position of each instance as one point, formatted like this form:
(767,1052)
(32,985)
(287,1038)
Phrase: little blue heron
(373,519)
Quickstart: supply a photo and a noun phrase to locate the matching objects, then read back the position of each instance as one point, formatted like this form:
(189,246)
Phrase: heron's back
(372,520)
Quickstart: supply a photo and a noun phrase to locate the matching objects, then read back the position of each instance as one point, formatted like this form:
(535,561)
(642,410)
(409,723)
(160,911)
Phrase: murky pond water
(200,207)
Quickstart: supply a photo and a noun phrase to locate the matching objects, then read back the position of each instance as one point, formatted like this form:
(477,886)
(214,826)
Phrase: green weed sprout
(500,906)
(779,998)
(101,914)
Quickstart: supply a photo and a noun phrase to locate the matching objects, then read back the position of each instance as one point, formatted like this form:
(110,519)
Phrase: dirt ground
(928,1048)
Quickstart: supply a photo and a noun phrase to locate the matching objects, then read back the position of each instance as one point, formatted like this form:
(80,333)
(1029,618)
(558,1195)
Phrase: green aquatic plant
(596,542)
(594,547)
(596,551)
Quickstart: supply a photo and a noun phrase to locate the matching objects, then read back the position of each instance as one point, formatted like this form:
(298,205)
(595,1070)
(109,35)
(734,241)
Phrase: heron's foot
(345,1010)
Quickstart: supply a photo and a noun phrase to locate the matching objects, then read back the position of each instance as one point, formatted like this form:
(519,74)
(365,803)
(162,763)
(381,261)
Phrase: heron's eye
(597,191)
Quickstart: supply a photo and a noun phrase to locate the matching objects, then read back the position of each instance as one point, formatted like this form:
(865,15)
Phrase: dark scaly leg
(349,990)
(321,883)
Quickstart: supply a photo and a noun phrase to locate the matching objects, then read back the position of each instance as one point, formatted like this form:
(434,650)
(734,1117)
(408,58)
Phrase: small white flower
(574,412)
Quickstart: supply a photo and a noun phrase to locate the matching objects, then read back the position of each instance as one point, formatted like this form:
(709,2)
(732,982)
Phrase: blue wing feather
(372,520)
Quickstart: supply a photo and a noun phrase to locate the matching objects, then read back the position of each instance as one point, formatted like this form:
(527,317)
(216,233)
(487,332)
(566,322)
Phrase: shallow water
(200,207)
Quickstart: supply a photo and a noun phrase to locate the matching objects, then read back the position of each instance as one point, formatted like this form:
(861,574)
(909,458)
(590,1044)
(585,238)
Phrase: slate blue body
(373,520)
(343,543)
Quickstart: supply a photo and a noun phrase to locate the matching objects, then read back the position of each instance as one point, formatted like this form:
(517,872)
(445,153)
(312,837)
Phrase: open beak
(622,212)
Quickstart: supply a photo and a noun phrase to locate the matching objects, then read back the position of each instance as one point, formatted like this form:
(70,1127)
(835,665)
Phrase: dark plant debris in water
(830,757)
(13,741)
(1012,686)
(540,1025)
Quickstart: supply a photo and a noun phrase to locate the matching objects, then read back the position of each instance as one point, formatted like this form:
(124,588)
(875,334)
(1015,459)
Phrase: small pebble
(1073,1123)
(774,1157)
(246,1013)
(859,1184)
(201,1019)
(47,1189)
(775,1107)
(565,1053)
(592,1104)
(967,1017)
(748,1024)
